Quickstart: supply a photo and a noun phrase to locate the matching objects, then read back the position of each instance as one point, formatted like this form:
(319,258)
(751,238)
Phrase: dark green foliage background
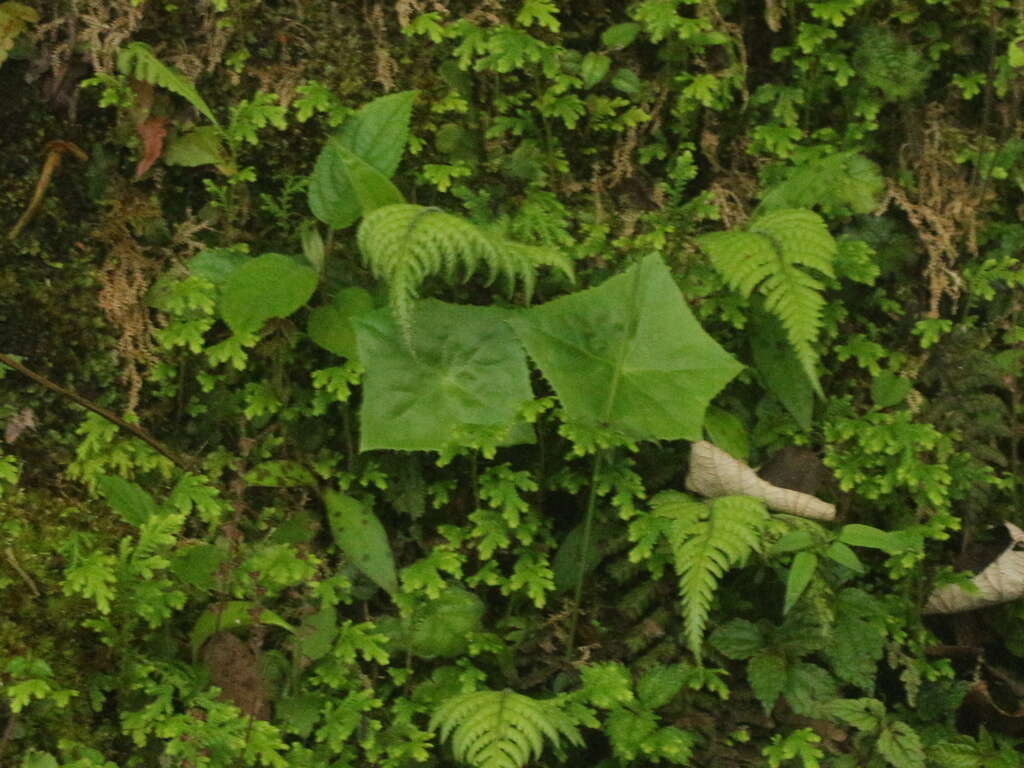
(615,134)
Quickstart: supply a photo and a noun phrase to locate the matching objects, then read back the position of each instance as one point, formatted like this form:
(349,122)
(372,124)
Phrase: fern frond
(405,244)
(707,539)
(772,257)
(501,729)
(139,61)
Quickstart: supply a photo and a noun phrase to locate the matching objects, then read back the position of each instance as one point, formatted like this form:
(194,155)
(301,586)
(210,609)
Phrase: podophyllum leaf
(200,146)
(330,326)
(128,500)
(361,536)
(152,131)
(344,187)
(268,286)
(464,369)
(799,576)
(629,355)
(139,61)
(378,131)
(232,614)
(714,473)
(217,264)
(780,369)
(1000,582)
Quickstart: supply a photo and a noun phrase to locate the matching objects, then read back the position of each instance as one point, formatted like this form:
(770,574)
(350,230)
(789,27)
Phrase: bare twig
(113,418)
(9,554)
(55,151)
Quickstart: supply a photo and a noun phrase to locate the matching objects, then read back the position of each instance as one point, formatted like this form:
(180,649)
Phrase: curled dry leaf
(23,420)
(713,472)
(1000,582)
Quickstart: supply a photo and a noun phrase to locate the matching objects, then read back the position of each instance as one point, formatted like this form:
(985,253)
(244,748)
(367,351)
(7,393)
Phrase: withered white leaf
(18,423)
(713,473)
(1001,581)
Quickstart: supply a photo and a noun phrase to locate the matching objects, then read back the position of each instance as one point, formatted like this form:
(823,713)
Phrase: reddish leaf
(152,130)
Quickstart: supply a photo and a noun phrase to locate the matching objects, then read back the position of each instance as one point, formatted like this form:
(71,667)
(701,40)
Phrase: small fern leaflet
(501,729)
(772,257)
(707,539)
(405,244)
(139,61)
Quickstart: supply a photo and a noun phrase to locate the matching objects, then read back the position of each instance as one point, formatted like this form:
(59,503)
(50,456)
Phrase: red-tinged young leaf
(152,130)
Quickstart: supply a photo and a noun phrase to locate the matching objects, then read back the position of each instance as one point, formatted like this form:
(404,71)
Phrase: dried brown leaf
(713,473)
(1000,582)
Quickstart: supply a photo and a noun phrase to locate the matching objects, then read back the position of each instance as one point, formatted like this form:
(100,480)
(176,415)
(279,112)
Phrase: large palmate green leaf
(629,355)
(272,285)
(463,369)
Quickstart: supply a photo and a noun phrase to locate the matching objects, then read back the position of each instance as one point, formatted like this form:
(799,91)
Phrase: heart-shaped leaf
(463,369)
(268,286)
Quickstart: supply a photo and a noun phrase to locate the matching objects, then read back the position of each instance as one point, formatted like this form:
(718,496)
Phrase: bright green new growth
(405,244)
(139,61)
(501,729)
(707,539)
(773,256)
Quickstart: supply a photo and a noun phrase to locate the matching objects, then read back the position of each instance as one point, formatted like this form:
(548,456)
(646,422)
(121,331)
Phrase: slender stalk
(588,525)
(113,418)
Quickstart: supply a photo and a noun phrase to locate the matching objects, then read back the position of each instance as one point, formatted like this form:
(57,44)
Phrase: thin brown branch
(113,418)
(55,151)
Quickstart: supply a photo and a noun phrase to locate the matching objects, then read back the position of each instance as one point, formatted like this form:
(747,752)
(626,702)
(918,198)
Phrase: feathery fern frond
(139,61)
(768,257)
(501,729)
(404,244)
(707,539)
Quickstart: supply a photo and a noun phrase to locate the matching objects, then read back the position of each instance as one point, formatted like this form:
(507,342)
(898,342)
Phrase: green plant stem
(588,525)
(113,418)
